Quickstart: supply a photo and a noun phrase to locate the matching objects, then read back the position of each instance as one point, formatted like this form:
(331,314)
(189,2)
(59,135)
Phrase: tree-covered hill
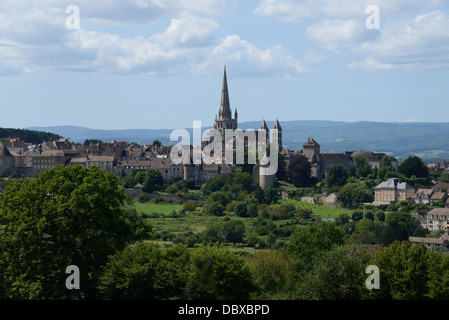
(32,136)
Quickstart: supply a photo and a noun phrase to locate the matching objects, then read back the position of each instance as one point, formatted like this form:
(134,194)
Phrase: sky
(153,64)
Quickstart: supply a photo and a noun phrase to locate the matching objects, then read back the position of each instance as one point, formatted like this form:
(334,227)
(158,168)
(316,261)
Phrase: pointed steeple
(225,107)
(264,125)
(277,125)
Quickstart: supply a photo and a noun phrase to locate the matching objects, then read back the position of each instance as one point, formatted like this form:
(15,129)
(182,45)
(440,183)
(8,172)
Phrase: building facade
(392,191)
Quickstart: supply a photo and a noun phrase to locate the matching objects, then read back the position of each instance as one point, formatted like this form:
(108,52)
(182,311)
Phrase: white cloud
(253,61)
(336,34)
(34,37)
(285,10)
(414,34)
(418,43)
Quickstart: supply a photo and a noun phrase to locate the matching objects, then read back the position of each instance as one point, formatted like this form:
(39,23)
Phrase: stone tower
(7,161)
(277,135)
(224,120)
(264,126)
(312,150)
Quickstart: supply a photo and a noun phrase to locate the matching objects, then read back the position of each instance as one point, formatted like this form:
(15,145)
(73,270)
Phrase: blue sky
(158,63)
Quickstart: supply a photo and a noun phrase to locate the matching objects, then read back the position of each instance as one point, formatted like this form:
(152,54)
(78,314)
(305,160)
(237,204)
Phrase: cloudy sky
(159,63)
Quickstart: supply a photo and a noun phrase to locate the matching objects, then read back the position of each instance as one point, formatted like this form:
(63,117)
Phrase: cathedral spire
(225,107)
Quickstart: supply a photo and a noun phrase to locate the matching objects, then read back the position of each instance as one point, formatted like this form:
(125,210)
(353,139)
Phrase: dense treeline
(31,136)
(74,216)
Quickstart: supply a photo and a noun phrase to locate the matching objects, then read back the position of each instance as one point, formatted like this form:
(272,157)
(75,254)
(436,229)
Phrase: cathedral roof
(4,152)
(277,125)
(225,106)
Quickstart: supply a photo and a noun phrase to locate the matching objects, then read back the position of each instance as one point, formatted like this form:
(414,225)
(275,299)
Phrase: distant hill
(428,140)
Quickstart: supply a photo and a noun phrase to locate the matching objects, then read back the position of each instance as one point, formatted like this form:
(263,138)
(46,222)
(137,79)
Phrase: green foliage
(232,231)
(282,211)
(405,271)
(129,182)
(337,176)
(274,274)
(336,274)
(367,231)
(68,216)
(357,215)
(240,209)
(355,193)
(34,137)
(153,181)
(414,166)
(87,142)
(362,167)
(189,206)
(145,271)
(313,240)
(212,184)
(299,171)
(219,274)
(404,225)
(215,209)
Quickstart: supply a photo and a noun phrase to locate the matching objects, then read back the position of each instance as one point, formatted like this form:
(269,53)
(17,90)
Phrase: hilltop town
(317,204)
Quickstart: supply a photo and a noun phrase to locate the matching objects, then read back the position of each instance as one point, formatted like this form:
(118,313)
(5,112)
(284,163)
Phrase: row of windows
(44,167)
(383,191)
(44,160)
(436,217)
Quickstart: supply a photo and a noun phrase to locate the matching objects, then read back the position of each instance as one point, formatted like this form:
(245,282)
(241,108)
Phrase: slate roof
(390,184)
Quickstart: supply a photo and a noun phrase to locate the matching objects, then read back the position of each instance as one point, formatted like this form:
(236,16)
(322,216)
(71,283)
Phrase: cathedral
(224,120)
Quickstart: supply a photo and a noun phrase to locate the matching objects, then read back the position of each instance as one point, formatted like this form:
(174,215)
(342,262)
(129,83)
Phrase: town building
(438,219)
(392,191)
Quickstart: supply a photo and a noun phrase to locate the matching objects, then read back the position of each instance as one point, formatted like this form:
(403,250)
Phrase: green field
(320,210)
(150,208)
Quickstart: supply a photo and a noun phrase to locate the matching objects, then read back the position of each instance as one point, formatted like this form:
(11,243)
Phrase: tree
(240,209)
(337,176)
(274,274)
(414,166)
(68,216)
(157,143)
(404,225)
(313,240)
(146,271)
(129,181)
(216,209)
(355,193)
(218,274)
(212,184)
(190,206)
(299,170)
(220,197)
(243,179)
(153,181)
(233,231)
(357,215)
(362,167)
(281,173)
(386,169)
(404,270)
(140,176)
(337,274)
